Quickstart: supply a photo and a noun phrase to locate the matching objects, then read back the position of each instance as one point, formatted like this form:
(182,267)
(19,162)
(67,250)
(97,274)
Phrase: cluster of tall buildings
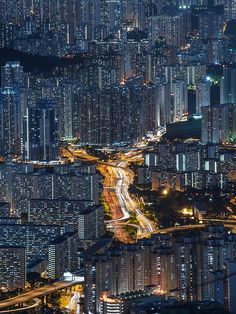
(186,165)
(117,70)
(60,27)
(189,267)
(142,64)
(27,131)
(23,185)
(97,106)
(46,214)
(37,112)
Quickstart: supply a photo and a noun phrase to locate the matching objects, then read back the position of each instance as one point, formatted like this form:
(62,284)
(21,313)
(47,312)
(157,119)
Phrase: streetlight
(165,192)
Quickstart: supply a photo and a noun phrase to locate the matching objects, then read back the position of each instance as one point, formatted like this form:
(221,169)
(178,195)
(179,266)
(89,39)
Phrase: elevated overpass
(227,223)
(38,294)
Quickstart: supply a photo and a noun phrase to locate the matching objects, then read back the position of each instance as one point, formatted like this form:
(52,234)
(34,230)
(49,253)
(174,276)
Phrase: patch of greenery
(106,207)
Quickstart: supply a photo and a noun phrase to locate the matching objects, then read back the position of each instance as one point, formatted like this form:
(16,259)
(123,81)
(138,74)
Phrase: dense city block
(118,156)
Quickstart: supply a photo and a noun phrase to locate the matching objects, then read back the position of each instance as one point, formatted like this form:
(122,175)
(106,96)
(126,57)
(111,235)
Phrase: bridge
(38,294)
(231,224)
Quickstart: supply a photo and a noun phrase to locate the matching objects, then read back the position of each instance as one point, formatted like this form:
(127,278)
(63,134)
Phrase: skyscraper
(180,99)
(230,9)
(41,137)
(62,255)
(12,267)
(10,122)
(12,74)
(202,95)
(219,123)
(227,86)
(169,27)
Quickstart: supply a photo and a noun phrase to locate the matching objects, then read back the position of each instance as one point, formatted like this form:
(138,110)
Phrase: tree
(33,278)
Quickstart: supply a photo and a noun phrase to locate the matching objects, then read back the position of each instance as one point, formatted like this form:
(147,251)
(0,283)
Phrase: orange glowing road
(117,179)
(110,194)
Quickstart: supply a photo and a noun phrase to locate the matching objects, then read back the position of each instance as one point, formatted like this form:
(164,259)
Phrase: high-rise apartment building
(12,74)
(227,86)
(41,136)
(219,124)
(34,238)
(10,122)
(169,27)
(91,223)
(62,255)
(180,100)
(12,267)
(203,95)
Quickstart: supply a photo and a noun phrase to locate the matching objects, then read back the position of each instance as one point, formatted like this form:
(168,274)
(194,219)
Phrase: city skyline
(118,156)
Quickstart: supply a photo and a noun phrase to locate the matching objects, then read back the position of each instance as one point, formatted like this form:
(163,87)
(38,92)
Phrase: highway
(226,224)
(216,220)
(131,204)
(112,191)
(37,293)
(19,310)
(116,182)
(117,179)
(74,303)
